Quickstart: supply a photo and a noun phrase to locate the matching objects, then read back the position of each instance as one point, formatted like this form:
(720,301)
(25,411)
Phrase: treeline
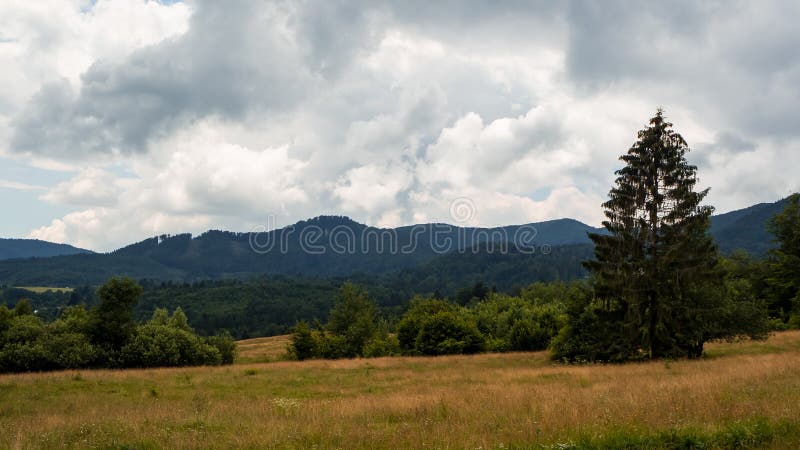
(269,305)
(105,336)
(495,322)
(560,316)
(272,304)
(49,304)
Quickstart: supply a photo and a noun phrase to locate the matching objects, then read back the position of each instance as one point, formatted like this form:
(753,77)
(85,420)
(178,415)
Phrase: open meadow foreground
(743,395)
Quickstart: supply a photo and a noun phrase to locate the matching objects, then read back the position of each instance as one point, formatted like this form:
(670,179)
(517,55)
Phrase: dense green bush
(520,323)
(354,319)
(411,323)
(79,338)
(167,342)
(303,344)
(448,333)
(435,326)
(225,345)
(387,345)
(353,325)
(594,332)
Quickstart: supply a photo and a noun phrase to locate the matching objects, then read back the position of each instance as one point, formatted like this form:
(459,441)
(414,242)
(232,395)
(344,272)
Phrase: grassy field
(743,395)
(42,289)
(259,350)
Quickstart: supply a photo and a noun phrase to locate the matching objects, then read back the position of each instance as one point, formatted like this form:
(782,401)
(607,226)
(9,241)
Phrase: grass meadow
(744,395)
(43,289)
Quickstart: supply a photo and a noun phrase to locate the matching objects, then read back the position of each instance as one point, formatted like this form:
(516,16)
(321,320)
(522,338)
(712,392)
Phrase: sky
(125,119)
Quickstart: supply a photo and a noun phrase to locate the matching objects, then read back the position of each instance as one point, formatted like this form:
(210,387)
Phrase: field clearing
(259,350)
(43,289)
(745,394)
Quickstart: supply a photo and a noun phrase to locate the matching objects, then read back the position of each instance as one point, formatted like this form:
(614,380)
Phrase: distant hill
(321,247)
(336,246)
(746,228)
(34,248)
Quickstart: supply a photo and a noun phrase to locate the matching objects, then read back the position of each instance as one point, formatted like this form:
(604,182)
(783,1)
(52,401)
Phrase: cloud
(372,189)
(7,184)
(733,64)
(92,186)
(51,43)
(201,182)
(217,115)
(89,222)
(232,60)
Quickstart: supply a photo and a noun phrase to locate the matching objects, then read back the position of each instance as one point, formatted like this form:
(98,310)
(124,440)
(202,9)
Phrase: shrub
(593,334)
(24,329)
(23,357)
(225,345)
(409,326)
(303,344)
(520,324)
(385,346)
(69,350)
(447,333)
(331,346)
(160,345)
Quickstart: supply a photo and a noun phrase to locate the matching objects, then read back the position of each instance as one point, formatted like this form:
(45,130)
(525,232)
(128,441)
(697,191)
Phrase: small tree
(23,308)
(225,345)
(111,322)
(354,318)
(303,345)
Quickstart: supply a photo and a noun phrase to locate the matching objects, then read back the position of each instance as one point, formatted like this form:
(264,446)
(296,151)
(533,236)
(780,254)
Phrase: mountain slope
(321,247)
(33,248)
(335,246)
(746,228)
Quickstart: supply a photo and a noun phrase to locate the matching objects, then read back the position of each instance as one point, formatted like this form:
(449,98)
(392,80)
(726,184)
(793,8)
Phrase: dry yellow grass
(258,350)
(482,401)
(42,289)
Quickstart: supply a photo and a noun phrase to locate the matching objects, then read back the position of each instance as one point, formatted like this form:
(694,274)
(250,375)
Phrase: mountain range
(335,246)
(34,248)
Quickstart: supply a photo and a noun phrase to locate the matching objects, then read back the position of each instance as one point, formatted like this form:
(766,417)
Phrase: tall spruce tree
(657,266)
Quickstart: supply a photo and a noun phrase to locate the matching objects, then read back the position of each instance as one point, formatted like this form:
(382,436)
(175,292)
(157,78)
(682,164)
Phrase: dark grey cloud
(735,63)
(245,56)
(241,57)
(610,41)
(232,60)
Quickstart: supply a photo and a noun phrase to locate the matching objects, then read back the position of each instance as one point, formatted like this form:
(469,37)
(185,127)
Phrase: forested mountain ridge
(335,246)
(34,248)
(321,247)
(746,228)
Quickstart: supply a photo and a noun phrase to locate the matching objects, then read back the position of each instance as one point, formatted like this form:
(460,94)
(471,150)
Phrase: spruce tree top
(656,186)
